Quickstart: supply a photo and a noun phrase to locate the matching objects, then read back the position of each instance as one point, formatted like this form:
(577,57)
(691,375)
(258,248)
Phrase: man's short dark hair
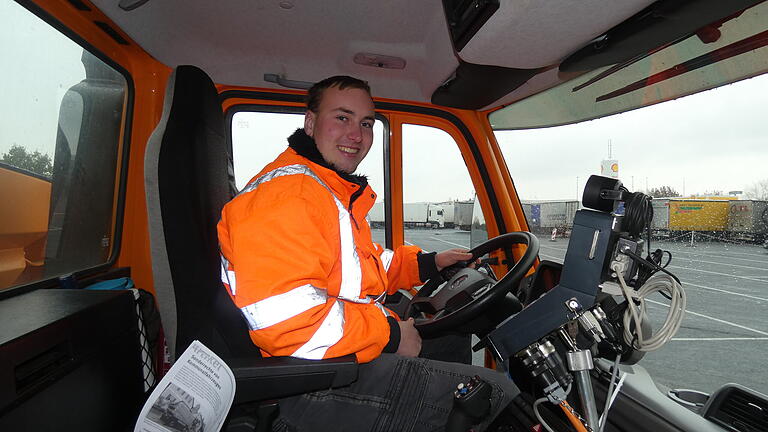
(315,95)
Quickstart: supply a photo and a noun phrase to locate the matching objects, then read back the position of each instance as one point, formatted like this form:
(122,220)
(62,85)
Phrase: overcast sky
(39,66)
(715,140)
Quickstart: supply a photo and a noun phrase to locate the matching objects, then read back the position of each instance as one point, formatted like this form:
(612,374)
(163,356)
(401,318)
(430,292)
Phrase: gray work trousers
(392,393)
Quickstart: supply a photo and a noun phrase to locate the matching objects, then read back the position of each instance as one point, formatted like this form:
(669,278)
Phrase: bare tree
(758,190)
(663,191)
(713,192)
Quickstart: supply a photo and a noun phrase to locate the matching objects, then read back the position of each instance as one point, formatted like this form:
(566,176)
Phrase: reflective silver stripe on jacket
(383,309)
(279,172)
(351,274)
(328,334)
(228,276)
(281,307)
(285,306)
(386,258)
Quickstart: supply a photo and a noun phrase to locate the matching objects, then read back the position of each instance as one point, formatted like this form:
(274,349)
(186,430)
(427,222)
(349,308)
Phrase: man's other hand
(410,340)
(450,257)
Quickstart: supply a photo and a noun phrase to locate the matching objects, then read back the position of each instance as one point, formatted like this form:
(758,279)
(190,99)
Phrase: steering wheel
(469,292)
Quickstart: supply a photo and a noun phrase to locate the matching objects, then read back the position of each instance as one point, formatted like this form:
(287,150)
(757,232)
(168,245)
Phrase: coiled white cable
(660,282)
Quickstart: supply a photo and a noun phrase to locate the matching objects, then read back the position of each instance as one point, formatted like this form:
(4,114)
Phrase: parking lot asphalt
(724,336)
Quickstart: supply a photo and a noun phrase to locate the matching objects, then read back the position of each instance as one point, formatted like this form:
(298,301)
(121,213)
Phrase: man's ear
(309,123)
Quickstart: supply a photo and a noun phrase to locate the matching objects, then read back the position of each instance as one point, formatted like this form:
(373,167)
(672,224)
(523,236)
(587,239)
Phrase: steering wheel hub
(469,292)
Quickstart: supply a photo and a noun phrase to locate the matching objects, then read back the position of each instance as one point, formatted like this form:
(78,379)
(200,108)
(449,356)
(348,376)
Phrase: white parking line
(762,279)
(450,243)
(725,291)
(722,339)
(755,279)
(714,319)
(723,255)
(546,246)
(728,254)
(758,279)
(554,258)
(692,260)
(716,273)
(719,254)
(687,284)
(707,316)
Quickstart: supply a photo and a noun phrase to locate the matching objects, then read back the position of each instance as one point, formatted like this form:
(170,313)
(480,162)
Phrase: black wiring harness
(638,214)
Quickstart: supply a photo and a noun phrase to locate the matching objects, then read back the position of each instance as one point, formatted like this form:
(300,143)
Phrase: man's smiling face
(342,127)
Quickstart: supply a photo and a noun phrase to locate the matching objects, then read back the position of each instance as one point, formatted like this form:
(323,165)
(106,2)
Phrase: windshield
(703,157)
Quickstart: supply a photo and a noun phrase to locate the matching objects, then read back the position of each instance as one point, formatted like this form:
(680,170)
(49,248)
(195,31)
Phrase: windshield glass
(703,157)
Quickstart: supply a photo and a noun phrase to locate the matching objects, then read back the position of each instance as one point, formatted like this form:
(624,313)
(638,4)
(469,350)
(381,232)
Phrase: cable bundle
(670,288)
(651,265)
(638,213)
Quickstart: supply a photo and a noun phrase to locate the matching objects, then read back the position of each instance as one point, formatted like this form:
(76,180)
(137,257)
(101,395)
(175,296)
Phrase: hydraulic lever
(580,363)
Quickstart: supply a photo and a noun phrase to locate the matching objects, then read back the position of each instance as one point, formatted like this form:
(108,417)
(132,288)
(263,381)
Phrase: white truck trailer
(457,214)
(415,215)
(376,215)
(423,215)
(462,214)
(748,220)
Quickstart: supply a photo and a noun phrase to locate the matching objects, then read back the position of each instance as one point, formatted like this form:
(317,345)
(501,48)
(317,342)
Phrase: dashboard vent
(738,408)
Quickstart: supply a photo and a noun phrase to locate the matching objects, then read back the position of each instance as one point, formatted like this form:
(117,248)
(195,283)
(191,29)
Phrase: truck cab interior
(128,128)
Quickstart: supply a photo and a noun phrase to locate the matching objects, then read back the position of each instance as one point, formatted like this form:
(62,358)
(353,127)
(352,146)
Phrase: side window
(259,137)
(62,114)
(438,195)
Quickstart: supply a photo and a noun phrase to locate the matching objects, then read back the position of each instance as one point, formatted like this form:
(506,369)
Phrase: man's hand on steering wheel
(451,257)
(462,294)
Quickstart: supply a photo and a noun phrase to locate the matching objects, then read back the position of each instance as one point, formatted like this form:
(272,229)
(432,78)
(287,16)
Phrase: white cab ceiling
(238,41)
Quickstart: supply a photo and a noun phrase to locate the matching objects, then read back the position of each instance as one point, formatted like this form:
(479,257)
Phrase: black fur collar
(305,146)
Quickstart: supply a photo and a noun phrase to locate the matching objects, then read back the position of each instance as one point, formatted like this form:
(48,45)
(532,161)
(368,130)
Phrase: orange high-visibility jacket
(300,264)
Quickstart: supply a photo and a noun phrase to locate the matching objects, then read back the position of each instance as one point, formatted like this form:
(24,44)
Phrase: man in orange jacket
(299,262)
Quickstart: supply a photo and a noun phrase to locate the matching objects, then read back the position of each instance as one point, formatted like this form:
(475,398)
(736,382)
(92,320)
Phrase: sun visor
(525,34)
(662,23)
(476,86)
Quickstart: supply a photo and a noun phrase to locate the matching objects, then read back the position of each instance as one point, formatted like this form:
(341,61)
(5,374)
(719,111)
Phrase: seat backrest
(188,179)
(80,223)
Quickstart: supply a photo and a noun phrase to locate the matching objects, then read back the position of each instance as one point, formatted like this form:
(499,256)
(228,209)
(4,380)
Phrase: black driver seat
(188,179)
